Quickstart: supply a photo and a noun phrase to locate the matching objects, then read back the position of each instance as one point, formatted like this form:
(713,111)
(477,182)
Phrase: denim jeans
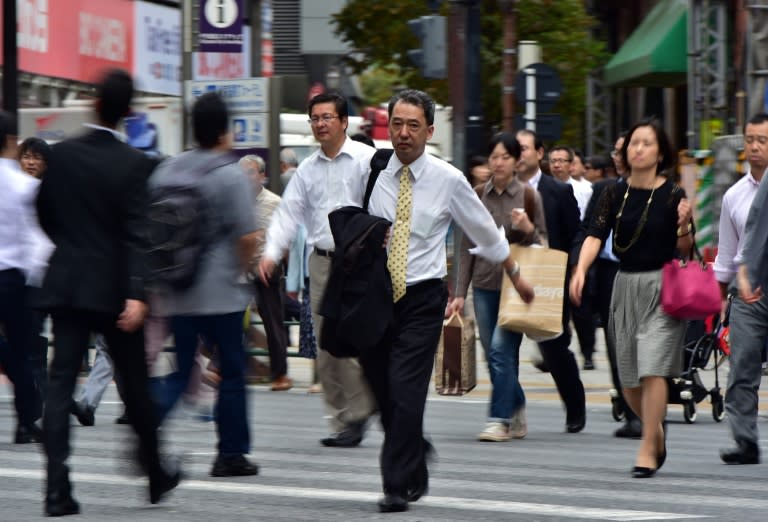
(502,351)
(225,331)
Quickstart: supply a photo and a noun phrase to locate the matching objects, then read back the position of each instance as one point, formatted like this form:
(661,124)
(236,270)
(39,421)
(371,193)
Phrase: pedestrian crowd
(122,249)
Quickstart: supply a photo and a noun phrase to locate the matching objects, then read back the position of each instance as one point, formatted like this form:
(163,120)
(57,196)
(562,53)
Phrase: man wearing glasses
(326,180)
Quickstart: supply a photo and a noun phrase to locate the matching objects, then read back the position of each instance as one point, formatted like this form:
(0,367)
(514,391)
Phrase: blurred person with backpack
(200,260)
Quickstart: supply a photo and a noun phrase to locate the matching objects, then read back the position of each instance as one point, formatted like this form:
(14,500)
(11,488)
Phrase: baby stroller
(703,340)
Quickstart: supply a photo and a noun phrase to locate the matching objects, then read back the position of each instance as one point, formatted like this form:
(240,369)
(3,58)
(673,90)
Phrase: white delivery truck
(155,118)
(155,123)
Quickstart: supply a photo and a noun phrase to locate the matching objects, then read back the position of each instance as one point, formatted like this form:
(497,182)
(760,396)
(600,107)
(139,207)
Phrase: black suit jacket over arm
(357,305)
(92,204)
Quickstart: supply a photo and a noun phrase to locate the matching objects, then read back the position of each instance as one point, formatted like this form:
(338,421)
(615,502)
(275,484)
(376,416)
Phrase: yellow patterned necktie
(398,251)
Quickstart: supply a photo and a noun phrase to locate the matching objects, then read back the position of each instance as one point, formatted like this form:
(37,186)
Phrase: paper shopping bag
(455,360)
(544,269)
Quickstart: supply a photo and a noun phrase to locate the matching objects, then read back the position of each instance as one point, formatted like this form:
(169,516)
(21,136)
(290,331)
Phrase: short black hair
(598,162)
(537,142)
(339,102)
(35,145)
(8,127)
(414,97)
(757,119)
(114,92)
(565,148)
(210,119)
(509,141)
(668,156)
(363,138)
(478,161)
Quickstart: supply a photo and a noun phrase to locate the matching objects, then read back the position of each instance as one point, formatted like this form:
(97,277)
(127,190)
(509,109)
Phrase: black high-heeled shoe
(643,472)
(662,457)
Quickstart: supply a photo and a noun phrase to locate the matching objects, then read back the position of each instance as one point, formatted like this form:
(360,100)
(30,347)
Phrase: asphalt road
(550,475)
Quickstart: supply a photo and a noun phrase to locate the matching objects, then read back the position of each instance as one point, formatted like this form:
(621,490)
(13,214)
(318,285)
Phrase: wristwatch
(515,270)
(684,231)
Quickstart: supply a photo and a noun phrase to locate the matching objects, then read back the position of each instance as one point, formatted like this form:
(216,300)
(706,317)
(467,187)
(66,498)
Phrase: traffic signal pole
(475,128)
(10,59)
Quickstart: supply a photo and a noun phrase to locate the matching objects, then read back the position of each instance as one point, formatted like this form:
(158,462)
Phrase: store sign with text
(74,39)
(157,50)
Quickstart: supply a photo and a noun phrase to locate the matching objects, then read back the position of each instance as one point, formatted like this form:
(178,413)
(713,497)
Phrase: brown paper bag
(544,268)
(455,360)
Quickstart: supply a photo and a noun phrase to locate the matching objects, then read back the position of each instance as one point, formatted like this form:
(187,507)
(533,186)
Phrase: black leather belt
(324,253)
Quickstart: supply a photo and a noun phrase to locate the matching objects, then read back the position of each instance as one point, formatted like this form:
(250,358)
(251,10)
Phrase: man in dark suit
(604,273)
(92,205)
(561,213)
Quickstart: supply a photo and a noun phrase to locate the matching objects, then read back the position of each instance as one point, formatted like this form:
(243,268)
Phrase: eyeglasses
(556,161)
(325,118)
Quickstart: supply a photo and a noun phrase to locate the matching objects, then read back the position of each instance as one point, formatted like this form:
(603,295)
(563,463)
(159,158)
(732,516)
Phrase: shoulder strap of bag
(529,202)
(379,162)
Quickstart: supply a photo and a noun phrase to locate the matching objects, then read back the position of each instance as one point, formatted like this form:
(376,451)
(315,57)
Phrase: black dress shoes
(744,453)
(61,504)
(641,472)
(234,466)
(123,419)
(28,434)
(632,429)
(393,504)
(349,438)
(163,483)
(576,425)
(85,414)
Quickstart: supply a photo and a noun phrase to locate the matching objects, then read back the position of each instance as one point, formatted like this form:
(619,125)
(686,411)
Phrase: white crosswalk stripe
(547,476)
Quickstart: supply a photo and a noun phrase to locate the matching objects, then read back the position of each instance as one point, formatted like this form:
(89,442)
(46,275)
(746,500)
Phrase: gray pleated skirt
(648,341)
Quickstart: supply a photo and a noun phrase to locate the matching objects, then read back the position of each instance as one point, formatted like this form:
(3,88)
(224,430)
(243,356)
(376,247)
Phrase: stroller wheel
(689,412)
(616,411)
(718,407)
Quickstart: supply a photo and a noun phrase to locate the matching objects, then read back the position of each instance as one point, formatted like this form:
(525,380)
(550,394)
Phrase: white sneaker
(518,424)
(494,432)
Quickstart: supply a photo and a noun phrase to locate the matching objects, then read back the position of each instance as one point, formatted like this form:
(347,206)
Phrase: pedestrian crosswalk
(549,475)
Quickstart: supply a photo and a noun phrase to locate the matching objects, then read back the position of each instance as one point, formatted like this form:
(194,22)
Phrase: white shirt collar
(534,181)
(119,135)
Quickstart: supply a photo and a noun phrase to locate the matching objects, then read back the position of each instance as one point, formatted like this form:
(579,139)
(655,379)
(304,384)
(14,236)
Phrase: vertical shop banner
(157,48)
(223,66)
(75,39)
(221,26)
(267,51)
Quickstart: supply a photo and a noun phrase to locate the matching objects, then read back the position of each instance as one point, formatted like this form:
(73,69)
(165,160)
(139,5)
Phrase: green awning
(655,55)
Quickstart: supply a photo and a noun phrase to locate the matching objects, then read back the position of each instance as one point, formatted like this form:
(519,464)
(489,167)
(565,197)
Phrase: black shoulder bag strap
(379,162)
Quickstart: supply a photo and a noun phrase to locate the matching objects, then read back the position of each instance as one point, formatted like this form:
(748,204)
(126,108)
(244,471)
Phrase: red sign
(74,39)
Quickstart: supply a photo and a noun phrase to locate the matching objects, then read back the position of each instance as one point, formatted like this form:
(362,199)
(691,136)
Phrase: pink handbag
(689,289)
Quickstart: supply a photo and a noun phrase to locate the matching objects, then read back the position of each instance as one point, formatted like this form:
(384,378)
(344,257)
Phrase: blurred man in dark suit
(92,204)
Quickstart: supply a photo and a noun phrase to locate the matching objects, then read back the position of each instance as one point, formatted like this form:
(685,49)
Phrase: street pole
(508,64)
(475,128)
(189,8)
(10,59)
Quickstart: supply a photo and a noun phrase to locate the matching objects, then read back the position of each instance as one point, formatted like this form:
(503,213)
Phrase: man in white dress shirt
(17,244)
(399,368)
(328,179)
